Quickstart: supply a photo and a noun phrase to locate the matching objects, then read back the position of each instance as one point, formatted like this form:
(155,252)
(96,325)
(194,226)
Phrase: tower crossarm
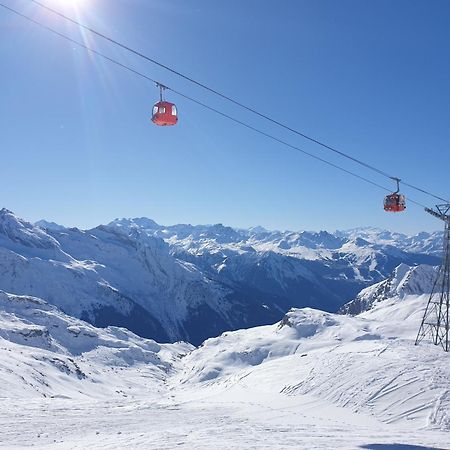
(443,212)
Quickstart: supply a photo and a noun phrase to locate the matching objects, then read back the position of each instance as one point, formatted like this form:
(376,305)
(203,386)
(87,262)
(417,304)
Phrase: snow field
(313,381)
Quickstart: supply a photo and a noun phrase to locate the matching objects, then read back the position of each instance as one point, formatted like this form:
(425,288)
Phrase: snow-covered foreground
(315,380)
(239,418)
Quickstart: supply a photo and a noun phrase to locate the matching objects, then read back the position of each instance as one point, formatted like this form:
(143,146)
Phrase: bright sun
(70,2)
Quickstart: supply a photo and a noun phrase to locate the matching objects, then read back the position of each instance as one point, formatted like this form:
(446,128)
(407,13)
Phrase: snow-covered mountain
(46,353)
(110,278)
(403,281)
(429,243)
(316,269)
(188,282)
(366,363)
(321,379)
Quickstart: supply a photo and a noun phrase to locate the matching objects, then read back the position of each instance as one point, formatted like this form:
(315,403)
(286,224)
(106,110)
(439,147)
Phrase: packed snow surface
(314,380)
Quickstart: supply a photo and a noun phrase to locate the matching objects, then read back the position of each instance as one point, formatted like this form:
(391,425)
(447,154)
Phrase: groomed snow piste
(314,380)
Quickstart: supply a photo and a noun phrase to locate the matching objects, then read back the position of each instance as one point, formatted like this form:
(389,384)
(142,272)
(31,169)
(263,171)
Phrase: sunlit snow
(314,380)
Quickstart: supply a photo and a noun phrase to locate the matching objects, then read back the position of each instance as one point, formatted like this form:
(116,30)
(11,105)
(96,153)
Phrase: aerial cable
(199,103)
(232,100)
(425,192)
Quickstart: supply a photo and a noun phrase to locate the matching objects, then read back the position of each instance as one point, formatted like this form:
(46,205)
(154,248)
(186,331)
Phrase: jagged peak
(141,222)
(25,233)
(404,280)
(47,225)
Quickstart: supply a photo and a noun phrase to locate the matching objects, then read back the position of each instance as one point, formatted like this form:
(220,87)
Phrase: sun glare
(68,5)
(75,3)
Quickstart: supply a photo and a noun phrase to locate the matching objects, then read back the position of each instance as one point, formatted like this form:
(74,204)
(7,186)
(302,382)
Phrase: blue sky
(368,77)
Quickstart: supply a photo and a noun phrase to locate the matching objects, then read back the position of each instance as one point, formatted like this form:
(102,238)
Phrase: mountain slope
(404,280)
(368,363)
(315,378)
(46,353)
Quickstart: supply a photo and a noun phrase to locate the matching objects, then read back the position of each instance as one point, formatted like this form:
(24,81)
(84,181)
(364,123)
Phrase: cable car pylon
(435,322)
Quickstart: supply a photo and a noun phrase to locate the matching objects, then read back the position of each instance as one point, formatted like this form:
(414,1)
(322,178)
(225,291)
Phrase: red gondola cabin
(394,203)
(164,114)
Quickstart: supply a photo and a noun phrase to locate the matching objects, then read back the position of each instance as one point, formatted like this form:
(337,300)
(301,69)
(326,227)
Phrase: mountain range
(189,283)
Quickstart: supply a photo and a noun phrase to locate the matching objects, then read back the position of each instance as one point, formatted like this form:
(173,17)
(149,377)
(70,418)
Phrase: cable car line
(232,100)
(199,103)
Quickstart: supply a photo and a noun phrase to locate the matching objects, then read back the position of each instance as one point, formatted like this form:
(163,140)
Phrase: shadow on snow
(398,447)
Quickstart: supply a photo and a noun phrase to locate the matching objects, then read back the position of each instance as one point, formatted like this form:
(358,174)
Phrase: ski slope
(313,381)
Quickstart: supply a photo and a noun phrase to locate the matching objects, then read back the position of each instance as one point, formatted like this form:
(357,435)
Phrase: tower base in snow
(435,323)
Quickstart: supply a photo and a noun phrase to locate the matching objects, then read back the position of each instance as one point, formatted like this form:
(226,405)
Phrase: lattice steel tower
(435,322)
